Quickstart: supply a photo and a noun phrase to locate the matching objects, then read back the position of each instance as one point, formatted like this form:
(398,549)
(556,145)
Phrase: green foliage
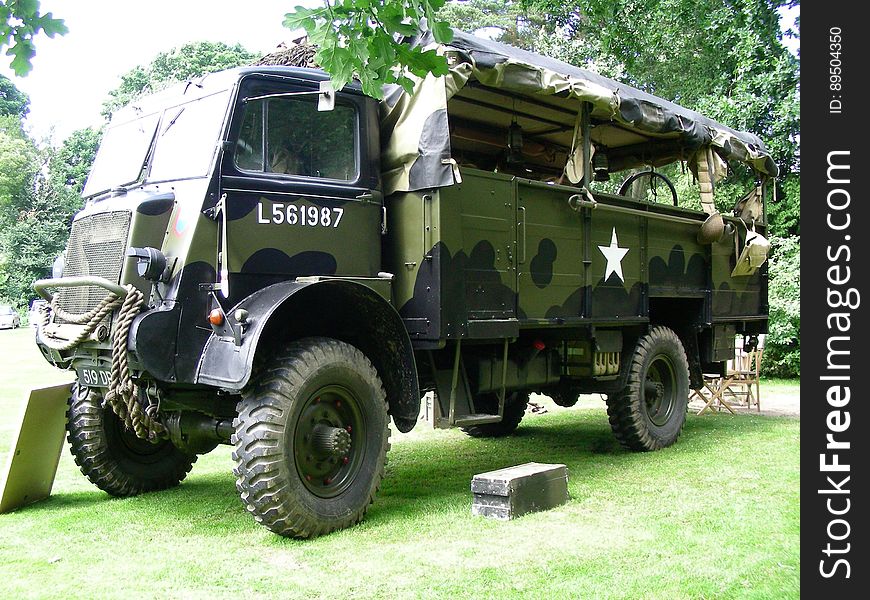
(515,24)
(19,169)
(179,64)
(18,163)
(70,164)
(20,22)
(358,38)
(28,246)
(39,193)
(19,166)
(526,25)
(782,346)
(785,214)
(12,100)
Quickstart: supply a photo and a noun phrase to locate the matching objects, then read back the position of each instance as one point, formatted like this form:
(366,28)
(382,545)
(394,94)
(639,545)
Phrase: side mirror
(326,96)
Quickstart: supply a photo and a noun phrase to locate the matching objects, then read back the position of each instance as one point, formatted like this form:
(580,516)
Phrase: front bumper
(42,286)
(53,338)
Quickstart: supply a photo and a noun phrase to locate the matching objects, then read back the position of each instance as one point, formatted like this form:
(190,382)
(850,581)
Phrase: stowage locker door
(617,268)
(550,273)
(576,262)
(478,231)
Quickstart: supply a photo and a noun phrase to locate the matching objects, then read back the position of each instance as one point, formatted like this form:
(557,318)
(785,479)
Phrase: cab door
(301,185)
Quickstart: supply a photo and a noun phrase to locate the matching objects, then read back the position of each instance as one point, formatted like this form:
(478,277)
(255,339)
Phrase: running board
(470,420)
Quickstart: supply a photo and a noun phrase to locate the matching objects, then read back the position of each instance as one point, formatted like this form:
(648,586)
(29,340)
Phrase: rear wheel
(115,459)
(514,408)
(648,414)
(311,439)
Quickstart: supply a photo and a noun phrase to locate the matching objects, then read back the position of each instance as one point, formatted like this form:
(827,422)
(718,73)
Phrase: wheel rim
(659,390)
(329,441)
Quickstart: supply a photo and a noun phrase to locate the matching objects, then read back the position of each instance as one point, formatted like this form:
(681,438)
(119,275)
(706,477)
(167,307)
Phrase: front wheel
(311,439)
(115,459)
(649,412)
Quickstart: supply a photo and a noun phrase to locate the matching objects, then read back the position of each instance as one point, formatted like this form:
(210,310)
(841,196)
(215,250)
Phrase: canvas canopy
(492,87)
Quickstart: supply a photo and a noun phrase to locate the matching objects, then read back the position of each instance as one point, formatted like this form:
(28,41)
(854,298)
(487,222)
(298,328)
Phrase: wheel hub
(658,391)
(330,441)
(654,391)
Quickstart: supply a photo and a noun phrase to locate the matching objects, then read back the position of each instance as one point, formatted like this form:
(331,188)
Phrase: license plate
(94,376)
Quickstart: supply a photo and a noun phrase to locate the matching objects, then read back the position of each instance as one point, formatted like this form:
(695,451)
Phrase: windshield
(187,140)
(122,154)
(184,140)
(6,310)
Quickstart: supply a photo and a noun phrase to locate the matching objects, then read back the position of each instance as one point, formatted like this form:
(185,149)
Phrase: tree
(12,100)
(70,164)
(36,207)
(19,162)
(782,355)
(179,64)
(19,168)
(20,22)
(528,26)
(359,38)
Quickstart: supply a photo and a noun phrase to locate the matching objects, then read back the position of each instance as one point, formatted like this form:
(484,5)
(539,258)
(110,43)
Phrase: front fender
(343,309)
(228,366)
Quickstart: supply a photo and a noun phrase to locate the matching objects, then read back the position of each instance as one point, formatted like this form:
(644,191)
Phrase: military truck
(265,262)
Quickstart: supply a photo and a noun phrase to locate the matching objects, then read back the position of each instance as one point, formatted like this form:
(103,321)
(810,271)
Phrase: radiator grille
(96,247)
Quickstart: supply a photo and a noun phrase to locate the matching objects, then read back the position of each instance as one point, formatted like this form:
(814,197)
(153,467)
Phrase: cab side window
(290,136)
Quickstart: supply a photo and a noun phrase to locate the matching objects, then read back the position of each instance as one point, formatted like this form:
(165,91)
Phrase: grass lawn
(715,516)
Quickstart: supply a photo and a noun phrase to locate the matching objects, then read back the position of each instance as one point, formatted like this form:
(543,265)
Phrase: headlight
(57,267)
(150,263)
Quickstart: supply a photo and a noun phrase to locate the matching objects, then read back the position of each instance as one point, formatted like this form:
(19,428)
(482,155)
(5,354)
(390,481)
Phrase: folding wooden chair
(745,375)
(741,375)
(716,385)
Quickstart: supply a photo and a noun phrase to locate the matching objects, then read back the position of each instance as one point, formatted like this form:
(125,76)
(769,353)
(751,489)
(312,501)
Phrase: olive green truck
(268,263)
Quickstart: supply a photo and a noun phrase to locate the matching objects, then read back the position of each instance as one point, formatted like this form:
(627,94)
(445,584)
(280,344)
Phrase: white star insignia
(614,255)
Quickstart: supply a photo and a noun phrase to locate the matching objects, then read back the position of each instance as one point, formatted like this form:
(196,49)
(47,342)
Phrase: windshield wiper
(172,122)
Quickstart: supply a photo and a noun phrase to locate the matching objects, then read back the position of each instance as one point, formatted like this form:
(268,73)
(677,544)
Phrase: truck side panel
(462,254)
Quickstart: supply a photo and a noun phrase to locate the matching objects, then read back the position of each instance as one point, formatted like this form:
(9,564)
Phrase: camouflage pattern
(306,257)
(503,248)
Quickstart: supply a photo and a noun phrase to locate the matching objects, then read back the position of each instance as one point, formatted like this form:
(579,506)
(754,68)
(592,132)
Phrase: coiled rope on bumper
(121,395)
(90,320)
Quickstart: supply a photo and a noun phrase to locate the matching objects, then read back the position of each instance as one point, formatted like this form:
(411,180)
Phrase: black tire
(649,413)
(564,396)
(514,408)
(297,471)
(114,459)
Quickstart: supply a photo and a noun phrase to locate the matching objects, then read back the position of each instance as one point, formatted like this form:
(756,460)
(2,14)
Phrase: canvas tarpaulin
(415,129)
